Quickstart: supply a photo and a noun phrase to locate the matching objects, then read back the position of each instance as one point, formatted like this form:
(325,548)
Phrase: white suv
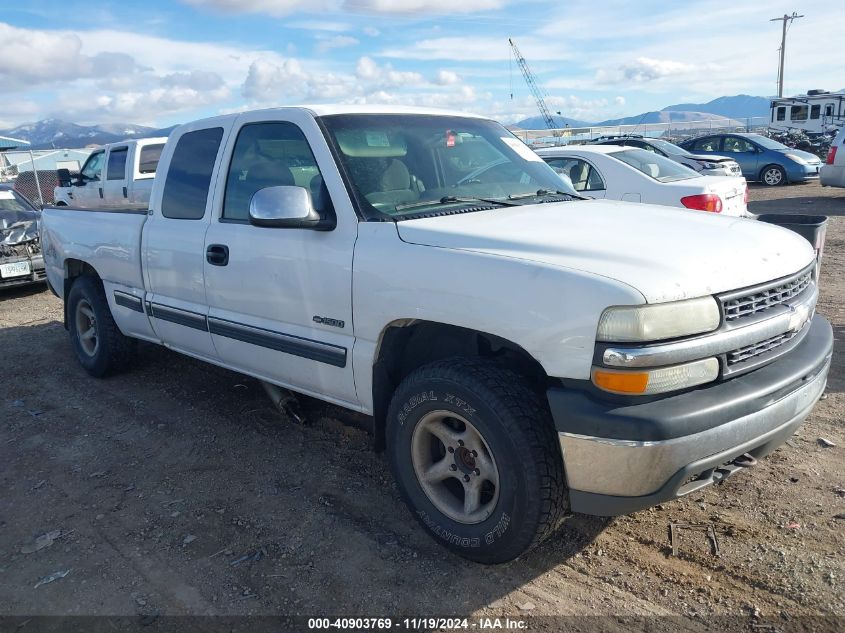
(832,173)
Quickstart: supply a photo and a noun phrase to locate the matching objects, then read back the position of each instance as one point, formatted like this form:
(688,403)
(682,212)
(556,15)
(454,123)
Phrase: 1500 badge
(328,321)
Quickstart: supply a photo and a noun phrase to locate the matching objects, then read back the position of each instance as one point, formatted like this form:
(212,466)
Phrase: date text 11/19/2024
(418,623)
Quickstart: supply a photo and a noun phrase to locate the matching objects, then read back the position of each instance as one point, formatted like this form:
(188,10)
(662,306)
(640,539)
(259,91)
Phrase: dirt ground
(177,489)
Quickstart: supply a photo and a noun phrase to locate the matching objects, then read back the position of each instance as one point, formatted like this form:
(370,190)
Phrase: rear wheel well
(406,346)
(75,268)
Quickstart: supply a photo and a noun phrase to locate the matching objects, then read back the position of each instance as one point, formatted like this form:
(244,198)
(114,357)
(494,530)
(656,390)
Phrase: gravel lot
(177,489)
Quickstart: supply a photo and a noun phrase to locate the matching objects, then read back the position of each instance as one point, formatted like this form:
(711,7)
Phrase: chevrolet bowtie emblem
(798,317)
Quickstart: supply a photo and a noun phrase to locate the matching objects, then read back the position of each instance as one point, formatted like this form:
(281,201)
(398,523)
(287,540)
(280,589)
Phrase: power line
(785,19)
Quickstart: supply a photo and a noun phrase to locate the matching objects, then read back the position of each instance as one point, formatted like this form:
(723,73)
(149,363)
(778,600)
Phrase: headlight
(797,159)
(648,382)
(628,324)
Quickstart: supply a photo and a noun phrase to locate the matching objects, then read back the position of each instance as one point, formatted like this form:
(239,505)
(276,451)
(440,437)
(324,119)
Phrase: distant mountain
(537,123)
(729,110)
(737,107)
(668,116)
(50,133)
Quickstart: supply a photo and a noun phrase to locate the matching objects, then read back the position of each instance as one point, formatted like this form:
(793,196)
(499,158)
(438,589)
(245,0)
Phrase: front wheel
(473,449)
(773,175)
(99,345)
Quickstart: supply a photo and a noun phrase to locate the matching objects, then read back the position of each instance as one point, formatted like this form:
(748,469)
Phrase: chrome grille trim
(756,300)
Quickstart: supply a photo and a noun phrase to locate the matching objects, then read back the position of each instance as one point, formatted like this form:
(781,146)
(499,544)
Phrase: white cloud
(31,56)
(410,7)
(371,31)
(446,78)
(620,101)
(368,70)
(644,69)
(279,8)
(275,8)
(338,41)
(481,48)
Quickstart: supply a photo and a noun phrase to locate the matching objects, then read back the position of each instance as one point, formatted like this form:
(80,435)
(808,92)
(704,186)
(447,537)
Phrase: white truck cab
(524,353)
(117,175)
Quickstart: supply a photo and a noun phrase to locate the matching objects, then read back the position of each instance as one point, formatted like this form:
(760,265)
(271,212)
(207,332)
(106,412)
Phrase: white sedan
(618,172)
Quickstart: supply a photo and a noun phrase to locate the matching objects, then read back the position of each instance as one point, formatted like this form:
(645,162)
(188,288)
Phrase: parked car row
(622,172)
(524,352)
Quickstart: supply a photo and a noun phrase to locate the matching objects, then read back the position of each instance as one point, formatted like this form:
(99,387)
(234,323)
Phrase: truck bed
(109,240)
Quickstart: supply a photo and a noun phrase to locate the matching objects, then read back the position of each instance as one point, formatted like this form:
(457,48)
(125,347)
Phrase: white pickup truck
(523,353)
(119,175)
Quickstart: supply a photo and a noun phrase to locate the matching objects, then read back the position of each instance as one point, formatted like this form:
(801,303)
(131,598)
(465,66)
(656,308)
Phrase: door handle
(217,254)
(101,192)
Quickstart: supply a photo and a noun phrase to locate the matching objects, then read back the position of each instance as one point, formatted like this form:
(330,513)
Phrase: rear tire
(474,452)
(773,175)
(100,346)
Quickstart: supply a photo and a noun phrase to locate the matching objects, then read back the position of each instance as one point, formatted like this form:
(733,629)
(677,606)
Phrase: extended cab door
(87,190)
(280,300)
(173,240)
(115,191)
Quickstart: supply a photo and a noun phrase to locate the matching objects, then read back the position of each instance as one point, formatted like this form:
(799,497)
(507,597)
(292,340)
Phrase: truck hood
(667,254)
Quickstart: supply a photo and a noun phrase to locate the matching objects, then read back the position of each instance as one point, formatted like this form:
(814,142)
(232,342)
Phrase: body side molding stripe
(287,343)
(128,301)
(180,317)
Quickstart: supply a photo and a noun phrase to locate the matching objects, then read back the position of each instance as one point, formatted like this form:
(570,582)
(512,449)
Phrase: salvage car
(616,172)
(21,261)
(706,165)
(524,353)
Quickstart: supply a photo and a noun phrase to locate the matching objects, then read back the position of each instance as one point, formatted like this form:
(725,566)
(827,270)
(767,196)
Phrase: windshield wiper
(544,192)
(454,199)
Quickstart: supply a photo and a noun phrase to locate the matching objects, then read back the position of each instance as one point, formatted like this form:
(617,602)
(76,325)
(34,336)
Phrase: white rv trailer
(817,111)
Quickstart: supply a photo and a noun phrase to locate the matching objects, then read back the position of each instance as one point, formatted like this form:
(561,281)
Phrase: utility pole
(786,18)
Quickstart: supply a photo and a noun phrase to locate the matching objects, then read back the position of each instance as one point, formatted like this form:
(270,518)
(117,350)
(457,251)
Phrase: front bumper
(802,173)
(37,272)
(623,458)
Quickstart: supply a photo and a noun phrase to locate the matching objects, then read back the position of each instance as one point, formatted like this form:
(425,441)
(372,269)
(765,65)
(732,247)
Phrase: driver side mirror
(64,177)
(287,207)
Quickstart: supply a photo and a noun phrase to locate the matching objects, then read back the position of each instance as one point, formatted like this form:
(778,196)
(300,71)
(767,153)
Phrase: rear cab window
(148,159)
(186,188)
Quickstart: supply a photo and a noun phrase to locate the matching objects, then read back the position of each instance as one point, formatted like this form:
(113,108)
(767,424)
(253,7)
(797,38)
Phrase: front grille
(758,349)
(763,299)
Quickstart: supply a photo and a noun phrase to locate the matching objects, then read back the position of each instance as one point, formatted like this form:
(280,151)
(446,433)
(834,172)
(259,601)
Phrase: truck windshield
(402,165)
(655,166)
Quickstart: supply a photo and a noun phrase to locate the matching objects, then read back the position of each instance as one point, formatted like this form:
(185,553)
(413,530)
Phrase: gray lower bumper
(612,474)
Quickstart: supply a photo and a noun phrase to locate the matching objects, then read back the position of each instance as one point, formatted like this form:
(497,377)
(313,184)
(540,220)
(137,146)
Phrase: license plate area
(15,269)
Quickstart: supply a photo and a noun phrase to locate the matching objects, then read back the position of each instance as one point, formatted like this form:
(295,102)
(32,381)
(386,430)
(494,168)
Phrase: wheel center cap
(464,460)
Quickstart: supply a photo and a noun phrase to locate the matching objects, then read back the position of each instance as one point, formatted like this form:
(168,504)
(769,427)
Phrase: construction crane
(533,86)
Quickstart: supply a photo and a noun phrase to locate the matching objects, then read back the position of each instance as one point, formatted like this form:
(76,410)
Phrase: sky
(161,62)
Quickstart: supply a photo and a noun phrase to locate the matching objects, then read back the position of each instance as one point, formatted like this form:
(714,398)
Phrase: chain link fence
(37,185)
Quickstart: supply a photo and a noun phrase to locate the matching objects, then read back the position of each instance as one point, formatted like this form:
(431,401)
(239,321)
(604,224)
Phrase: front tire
(100,346)
(773,175)
(474,452)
